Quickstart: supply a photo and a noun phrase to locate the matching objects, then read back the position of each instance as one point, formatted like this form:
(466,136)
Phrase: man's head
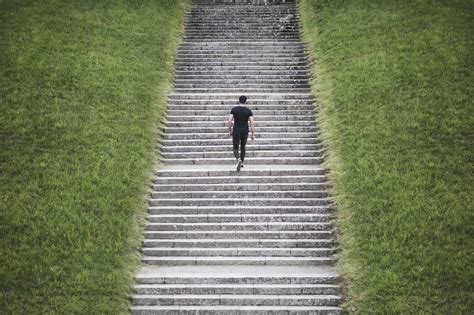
(243,99)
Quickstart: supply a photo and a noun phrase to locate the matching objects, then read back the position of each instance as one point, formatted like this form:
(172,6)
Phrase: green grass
(82,89)
(394,81)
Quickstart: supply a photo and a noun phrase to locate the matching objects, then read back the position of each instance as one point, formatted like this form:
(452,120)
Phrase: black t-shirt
(241,118)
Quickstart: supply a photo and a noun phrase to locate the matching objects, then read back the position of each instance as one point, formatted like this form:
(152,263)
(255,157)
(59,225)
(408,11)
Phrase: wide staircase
(254,242)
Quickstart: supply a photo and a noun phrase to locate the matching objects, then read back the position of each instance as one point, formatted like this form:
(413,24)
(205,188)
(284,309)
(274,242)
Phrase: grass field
(394,82)
(82,90)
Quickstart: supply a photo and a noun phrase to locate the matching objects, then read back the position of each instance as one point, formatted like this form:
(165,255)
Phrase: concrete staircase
(254,242)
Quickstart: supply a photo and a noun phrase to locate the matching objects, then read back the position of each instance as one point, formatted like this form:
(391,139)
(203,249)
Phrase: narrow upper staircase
(255,242)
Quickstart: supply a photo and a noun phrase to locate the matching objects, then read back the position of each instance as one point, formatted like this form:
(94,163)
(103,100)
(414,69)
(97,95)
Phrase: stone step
(224,135)
(240,202)
(243,90)
(238,252)
(234,299)
(243,226)
(249,275)
(228,29)
(219,54)
(261,124)
(257,104)
(225,112)
(239,187)
(183,84)
(235,218)
(256,62)
(277,172)
(223,74)
(233,209)
(236,78)
(251,160)
(261,21)
(236,309)
(217,117)
(228,181)
(244,87)
(205,25)
(233,30)
(282,81)
(209,52)
(232,42)
(237,260)
(279,289)
(267,45)
(248,48)
(227,141)
(229,148)
(224,106)
(247,67)
(236,243)
(235,96)
(239,37)
(249,155)
(240,234)
(248,13)
(218,126)
(247,18)
(223,129)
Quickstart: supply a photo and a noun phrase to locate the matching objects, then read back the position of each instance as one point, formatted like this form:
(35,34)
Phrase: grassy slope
(82,88)
(394,79)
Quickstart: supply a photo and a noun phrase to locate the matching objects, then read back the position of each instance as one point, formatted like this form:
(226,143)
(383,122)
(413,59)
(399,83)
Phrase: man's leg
(243,144)
(235,143)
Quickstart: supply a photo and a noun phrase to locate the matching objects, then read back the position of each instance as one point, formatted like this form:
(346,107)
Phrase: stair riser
(269,160)
(224,107)
(260,226)
(290,86)
(235,97)
(236,310)
(269,83)
(177,300)
(237,290)
(227,141)
(217,129)
(237,194)
(204,36)
(243,90)
(169,235)
(239,244)
(237,261)
(223,56)
(263,126)
(235,219)
(238,252)
(278,280)
(245,210)
(228,180)
(239,187)
(229,173)
(223,135)
(250,154)
(227,148)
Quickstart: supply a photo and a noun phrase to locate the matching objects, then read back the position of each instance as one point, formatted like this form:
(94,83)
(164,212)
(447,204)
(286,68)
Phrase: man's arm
(252,127)
(229,123)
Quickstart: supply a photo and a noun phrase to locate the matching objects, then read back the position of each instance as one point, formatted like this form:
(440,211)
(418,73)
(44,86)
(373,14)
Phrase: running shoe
(239,165)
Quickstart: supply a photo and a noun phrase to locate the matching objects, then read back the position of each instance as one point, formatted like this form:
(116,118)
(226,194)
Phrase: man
(241,115)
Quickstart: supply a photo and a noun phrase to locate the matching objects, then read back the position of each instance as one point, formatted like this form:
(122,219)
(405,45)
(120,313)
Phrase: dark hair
(242,99)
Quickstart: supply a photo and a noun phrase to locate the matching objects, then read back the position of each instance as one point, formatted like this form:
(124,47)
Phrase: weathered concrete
(255,242)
